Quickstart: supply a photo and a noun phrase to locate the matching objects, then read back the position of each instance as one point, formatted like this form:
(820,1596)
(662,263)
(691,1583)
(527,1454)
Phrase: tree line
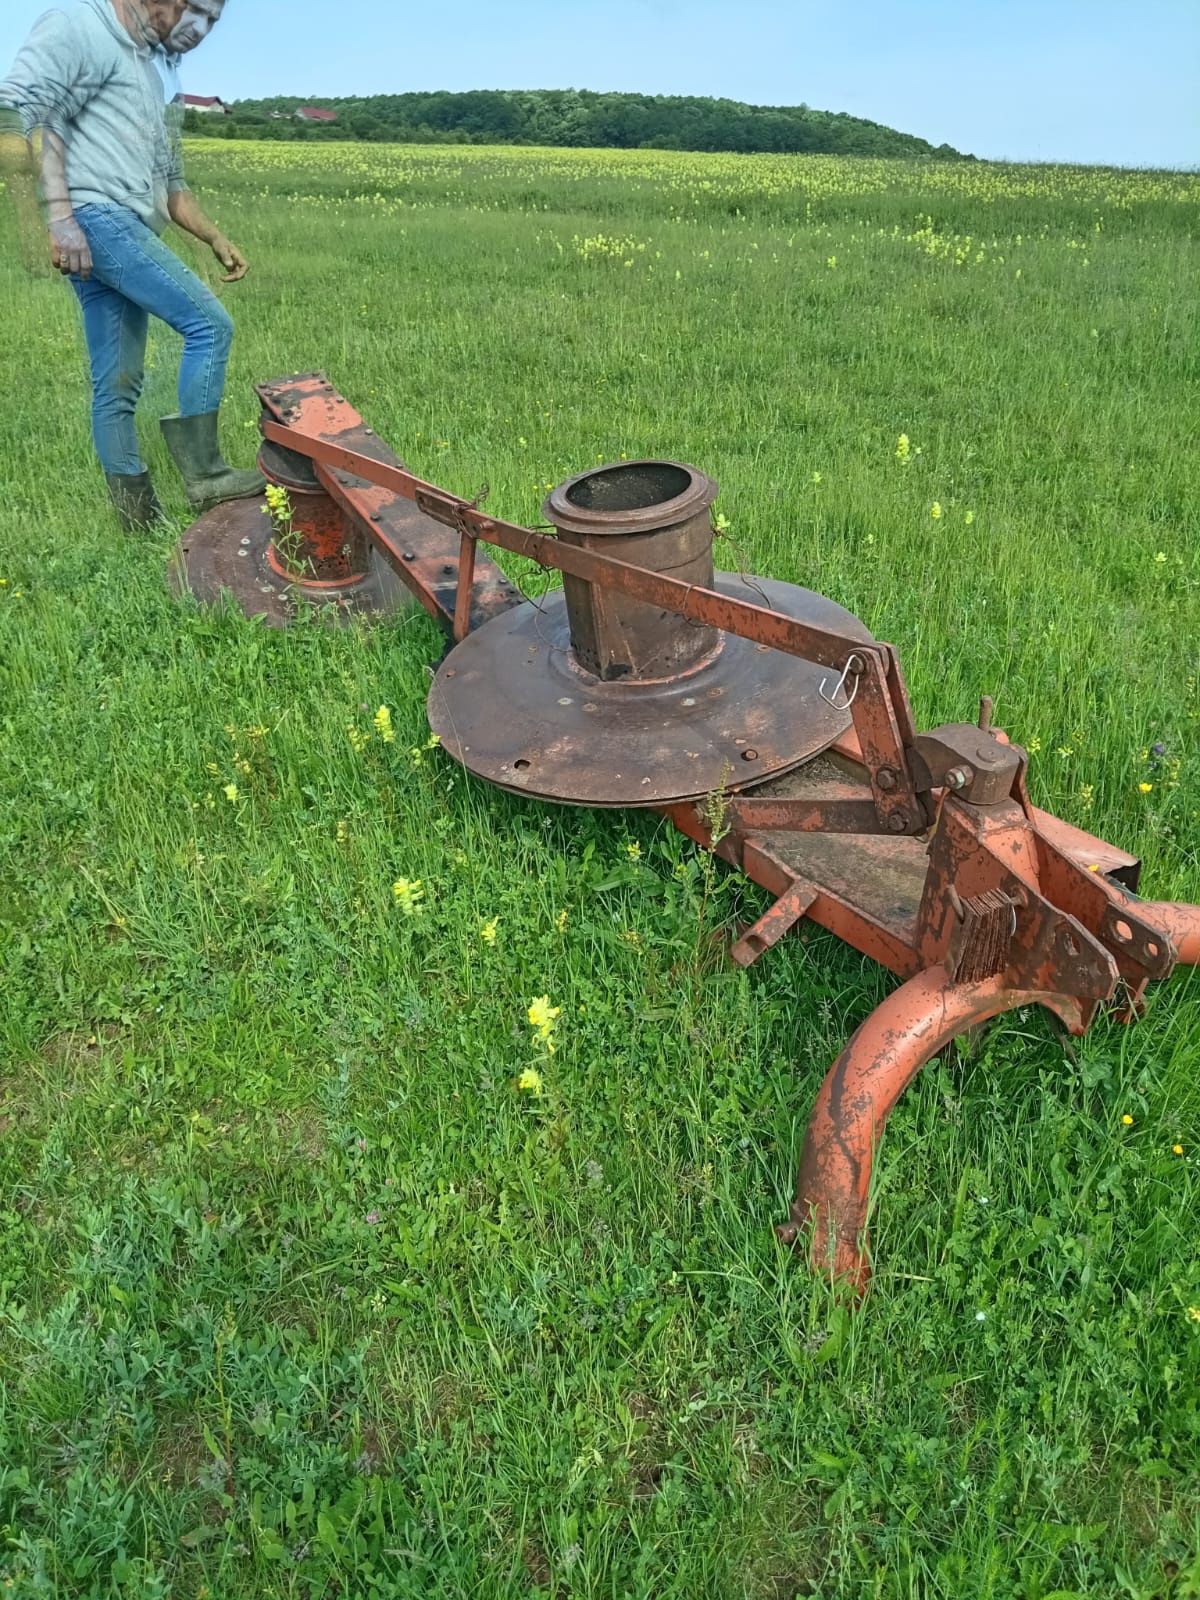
(581,118)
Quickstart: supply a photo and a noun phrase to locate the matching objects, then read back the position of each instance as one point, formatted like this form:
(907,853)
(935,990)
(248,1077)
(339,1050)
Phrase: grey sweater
(81,75)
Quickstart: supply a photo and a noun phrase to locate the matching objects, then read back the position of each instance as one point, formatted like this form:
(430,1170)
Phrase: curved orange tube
(863,1085)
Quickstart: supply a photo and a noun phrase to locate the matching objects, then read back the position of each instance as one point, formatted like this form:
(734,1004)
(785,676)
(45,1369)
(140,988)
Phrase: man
(91,79)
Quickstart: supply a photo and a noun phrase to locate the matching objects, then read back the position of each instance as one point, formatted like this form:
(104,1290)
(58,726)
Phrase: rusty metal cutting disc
(226,551)
(514,707)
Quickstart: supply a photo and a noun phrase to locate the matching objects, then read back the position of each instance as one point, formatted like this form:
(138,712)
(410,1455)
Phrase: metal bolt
(985,714)
(887,778)
(409,555)
(376,516)
(749,755)
(897,822)
(958,778)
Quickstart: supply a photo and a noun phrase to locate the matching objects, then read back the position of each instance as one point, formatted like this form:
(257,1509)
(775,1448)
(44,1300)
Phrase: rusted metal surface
(978,853)
(654,682)
(970,761)
(321,546)
(778,920)
(466,587)
(868,887)
(881,721)
(981,945)
(304,415)
(654,515)
(857,1097)
(1180,923)
(514,705)
(1093,854)
(227,554)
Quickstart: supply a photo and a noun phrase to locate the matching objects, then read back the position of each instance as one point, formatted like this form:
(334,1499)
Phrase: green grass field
(300,1293)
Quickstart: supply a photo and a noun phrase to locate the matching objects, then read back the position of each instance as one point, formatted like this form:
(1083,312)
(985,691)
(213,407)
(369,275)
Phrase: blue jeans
(134,276)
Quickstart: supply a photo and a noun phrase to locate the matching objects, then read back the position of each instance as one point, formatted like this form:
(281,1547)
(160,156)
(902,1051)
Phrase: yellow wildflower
(488,931)
(530,1081)
(231,792)
(560,922)
(1193,1313)
(1127,1121)
(633,850)
(409,893)
(278,508)
(903,450)
(1145,788)
(383,725)
(542,1018)
(968,517)
(1176,1149)
(935,510)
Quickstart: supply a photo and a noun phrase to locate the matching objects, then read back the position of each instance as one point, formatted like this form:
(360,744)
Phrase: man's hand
(69,249)
(231,258)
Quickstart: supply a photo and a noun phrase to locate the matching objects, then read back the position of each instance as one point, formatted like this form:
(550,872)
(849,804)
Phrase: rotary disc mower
(652,680)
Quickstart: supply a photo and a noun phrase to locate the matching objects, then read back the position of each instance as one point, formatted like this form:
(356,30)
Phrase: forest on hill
(571,117)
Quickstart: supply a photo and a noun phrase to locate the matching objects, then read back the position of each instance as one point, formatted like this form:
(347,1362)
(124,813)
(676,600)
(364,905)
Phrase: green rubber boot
(207,476)
(135,501)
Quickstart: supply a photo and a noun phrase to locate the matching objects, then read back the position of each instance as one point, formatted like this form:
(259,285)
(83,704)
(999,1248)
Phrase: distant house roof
(204,100)
(315,114)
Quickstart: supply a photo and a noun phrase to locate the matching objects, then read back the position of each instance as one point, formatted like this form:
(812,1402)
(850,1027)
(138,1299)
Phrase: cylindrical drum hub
(321,549)
(651,514)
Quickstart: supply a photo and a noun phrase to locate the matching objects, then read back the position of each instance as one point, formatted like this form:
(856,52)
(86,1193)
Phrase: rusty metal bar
(774,923)
(690,601)
(466,585)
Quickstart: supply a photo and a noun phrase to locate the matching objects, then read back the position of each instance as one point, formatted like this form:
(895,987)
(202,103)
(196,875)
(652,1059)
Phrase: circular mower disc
(513,707)
(225,551)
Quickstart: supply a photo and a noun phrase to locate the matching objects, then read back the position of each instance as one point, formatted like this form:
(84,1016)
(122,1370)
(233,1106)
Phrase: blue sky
(1082,80)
